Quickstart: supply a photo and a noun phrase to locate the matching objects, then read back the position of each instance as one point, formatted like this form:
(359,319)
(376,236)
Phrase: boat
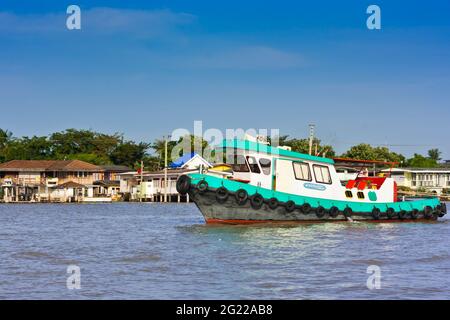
(274,184)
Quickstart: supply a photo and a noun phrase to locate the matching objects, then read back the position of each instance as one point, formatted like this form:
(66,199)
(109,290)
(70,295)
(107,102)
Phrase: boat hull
(231,212)
(224,201)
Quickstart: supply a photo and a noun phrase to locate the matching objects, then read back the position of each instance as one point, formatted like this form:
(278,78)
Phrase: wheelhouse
(279,169)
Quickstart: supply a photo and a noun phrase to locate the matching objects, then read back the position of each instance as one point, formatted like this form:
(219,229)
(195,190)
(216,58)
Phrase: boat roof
(349,160)
(263,148)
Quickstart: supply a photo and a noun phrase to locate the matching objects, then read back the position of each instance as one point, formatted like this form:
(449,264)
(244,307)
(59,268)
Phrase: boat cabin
(278,169)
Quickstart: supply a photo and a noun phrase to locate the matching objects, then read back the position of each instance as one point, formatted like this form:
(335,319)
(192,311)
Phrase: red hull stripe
(231,221)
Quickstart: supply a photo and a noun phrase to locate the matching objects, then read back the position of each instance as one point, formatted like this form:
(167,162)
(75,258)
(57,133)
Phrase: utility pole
(165,167)
(311,137)
(142,178)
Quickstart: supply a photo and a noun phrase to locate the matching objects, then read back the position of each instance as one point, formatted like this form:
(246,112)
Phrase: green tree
(365,151)
(434,154)
(302,145)
(73,141)
(129,153)
(25,148)
(419,161)
(386,155)
(176,149)
(361,151)
(87,157)
(151,163)
(159,146)
(5,139)
(85,145)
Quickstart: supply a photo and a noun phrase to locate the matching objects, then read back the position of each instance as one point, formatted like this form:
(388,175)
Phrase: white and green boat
(274,184)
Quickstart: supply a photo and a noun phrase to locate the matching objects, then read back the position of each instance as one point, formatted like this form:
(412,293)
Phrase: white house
(430,179)
(191,161)
(153,187)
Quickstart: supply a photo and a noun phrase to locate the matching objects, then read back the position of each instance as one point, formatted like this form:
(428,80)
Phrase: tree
(419,161)
(159,146)
(365,151)
(361,151)
(5,138)
(385,154)
(87,157)
(302,145)
(73,141)
(25,148)
(129,153)
(86,145)
(151,163)
(434,154)
(176,149)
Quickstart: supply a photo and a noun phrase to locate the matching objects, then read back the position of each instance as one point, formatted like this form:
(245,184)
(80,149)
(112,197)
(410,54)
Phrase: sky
(146,68)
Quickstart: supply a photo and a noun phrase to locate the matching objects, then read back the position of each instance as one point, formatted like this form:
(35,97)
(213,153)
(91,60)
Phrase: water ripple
(155,251)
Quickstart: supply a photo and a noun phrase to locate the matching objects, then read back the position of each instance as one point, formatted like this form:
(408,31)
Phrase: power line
(389,144)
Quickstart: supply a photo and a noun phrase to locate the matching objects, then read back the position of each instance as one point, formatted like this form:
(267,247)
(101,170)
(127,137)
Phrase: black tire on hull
(290,206)
(436,215)
(320,212)
(256,201)
(376,213)
(272,203)
(402,214)
(183,184)
(222,194)
(333,212)
(390,212)
(427,211)
(414,214)
(241,197)
(443,211)
(306,208)
(202,186)
(348,212)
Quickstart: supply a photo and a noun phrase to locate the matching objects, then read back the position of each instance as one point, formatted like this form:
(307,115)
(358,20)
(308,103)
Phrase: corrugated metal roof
(262,148)
(107,183)
(71,184)
(116,168)
(182,160)
(49,165)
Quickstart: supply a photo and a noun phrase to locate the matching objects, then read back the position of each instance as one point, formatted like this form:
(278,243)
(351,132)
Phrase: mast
(311,137)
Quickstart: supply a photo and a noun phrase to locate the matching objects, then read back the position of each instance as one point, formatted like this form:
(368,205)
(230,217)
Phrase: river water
(165,251)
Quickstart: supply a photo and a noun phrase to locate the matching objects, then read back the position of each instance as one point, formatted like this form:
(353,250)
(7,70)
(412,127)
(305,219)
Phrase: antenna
(311,137)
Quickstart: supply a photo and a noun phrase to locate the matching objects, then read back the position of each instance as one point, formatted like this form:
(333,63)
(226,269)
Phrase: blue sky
(145,68)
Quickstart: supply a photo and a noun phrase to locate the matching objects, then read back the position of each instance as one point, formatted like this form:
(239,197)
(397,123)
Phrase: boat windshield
(239,164)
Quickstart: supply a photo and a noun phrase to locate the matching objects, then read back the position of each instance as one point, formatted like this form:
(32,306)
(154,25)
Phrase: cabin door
(284,176)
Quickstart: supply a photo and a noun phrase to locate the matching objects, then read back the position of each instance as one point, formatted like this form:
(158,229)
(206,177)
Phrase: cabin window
(239,164)
(265,165)
(253,164)
(348,194)
(360,195)
(322,174)
(301,171)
